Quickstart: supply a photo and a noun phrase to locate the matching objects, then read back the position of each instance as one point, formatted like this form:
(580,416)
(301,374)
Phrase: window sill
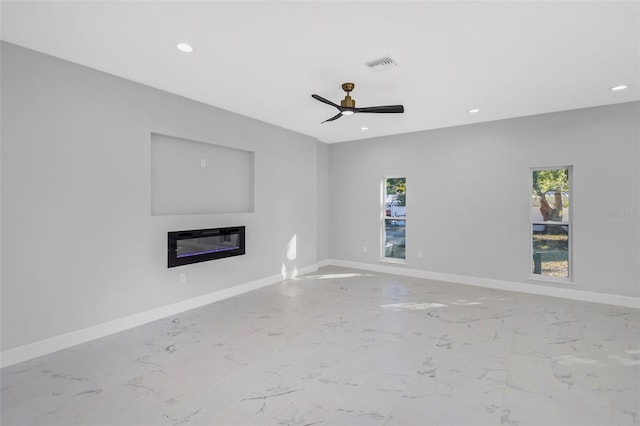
(392,260)
(551,280)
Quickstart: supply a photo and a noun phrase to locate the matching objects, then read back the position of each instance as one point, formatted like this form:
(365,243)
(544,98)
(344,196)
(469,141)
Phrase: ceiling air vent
(381,64)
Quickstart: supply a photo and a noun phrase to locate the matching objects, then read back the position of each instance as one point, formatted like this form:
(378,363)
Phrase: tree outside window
(394,218)
(550,222)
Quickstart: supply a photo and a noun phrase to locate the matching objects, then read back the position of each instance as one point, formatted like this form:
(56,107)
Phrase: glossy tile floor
(347,347)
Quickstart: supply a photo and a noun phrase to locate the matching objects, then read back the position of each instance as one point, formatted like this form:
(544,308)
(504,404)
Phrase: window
(394,218)
(550,219)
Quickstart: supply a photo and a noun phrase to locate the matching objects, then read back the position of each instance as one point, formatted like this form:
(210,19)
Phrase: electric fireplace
(200,245)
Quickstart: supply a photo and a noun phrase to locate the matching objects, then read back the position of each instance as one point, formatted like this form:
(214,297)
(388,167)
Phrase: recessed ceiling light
(474,111)
(184,47)
(621,87)
(364,128)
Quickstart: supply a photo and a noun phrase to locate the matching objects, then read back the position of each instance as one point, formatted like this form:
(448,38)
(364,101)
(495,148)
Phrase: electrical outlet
(364,249)
(203,162)
(183,278)
(419,253)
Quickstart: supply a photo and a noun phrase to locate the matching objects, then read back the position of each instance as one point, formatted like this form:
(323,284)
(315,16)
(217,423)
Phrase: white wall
(468,191)
(79,244)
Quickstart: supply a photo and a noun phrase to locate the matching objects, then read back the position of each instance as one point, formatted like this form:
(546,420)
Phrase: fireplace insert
(200,245)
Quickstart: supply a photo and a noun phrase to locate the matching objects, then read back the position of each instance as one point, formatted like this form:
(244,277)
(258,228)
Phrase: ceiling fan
(348,105)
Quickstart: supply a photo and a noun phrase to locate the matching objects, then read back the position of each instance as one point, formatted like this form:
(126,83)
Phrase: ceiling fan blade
(335,117)
(321,99)
(382,109)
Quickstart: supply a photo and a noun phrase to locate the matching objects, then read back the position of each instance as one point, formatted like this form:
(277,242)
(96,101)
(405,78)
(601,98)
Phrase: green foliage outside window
(550,180)
(397,186)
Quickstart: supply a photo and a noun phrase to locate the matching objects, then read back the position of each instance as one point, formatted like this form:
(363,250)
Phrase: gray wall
(323,201)
(468,192)
(79,244)
(178,163)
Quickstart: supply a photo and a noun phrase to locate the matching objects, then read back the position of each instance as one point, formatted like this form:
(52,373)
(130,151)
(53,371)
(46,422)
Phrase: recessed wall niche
(190,177)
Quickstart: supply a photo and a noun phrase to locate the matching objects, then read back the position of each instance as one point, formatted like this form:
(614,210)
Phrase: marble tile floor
(347,347)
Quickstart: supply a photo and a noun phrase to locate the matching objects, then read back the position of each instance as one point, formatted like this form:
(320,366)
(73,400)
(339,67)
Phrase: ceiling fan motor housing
(348,102)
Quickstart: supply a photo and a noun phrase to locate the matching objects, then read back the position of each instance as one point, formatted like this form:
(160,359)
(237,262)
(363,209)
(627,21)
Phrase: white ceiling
(264,59)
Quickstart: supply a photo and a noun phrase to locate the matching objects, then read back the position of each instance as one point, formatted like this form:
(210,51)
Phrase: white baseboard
(67,340)
(564,293)
(325,262)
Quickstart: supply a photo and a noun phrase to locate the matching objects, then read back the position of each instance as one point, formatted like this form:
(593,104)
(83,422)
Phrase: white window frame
(384,218)
(568,223)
